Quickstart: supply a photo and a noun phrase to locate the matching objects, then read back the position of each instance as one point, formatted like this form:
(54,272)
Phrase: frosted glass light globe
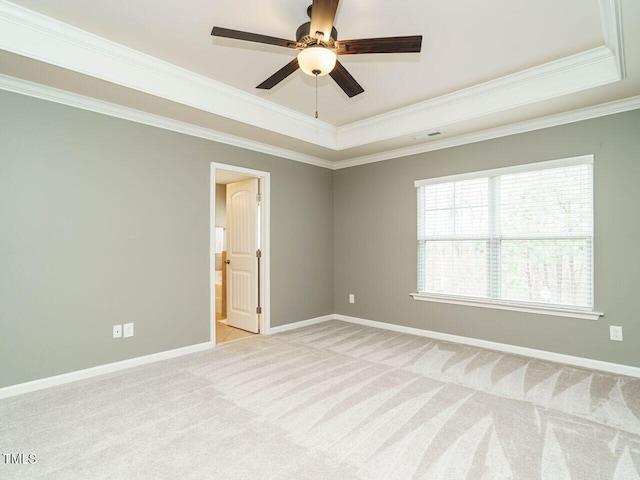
(317,59)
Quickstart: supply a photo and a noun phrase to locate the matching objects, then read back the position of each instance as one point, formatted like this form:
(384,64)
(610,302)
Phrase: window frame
(586,313)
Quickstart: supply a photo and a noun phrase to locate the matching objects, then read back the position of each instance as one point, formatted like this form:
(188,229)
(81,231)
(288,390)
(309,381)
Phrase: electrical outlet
(128,330)
(615,333)
(352,298)
(117,331)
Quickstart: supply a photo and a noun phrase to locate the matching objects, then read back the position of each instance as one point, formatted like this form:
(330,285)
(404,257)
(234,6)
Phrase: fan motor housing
(303,35)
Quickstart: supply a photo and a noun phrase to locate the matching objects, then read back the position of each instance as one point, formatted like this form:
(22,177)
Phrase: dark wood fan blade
(252,37)
(323,14)
(380,45)
(280,75)
(345,81)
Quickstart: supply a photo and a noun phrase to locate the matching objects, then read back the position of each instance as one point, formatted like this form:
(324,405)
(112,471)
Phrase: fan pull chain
(316,95)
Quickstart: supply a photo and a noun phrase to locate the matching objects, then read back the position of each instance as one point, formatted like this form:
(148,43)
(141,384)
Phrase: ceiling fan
(319,46)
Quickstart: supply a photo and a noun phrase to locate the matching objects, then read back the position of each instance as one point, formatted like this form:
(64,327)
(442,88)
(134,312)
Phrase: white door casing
(242,244)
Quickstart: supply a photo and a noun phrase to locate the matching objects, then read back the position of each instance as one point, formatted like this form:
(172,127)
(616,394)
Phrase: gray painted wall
(375,240)
(104,221)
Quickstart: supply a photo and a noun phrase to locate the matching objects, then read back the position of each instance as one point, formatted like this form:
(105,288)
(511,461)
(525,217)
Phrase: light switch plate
(128,330)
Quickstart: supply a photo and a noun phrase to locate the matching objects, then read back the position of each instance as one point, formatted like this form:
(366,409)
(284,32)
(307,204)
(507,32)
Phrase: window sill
(515,307)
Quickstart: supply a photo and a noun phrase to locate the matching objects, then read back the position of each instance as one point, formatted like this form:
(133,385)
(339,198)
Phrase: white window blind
(522,235)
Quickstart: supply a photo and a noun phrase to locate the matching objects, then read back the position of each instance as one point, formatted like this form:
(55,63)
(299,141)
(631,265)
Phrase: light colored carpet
(332,401)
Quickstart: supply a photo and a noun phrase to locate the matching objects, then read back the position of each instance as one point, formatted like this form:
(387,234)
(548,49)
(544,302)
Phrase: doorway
(239,250)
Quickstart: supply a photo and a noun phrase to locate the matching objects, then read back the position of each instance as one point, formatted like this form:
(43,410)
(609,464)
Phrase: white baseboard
(502,347)
(34,385)
(56,380)
(302,323)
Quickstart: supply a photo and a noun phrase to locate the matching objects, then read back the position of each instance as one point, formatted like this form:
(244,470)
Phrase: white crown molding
(611,17)
(572,74)
(568,75)
(98,106)
(37,36)
(30,34)
(587,113)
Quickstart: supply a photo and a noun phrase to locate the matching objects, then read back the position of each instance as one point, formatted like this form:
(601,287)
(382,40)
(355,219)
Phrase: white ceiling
(483,65)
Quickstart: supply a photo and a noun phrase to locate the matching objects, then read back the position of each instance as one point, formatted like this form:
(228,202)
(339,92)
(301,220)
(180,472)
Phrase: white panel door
(242,263)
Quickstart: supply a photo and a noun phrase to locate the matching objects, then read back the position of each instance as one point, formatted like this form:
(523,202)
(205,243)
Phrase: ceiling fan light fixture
(317,60)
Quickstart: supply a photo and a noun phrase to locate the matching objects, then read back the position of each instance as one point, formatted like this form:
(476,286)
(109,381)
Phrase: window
(518,238)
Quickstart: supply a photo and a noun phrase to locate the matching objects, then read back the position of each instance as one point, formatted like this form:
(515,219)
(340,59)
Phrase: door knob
(227,262)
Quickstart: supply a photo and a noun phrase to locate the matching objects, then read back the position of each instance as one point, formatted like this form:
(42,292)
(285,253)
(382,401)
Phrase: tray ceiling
(482,65)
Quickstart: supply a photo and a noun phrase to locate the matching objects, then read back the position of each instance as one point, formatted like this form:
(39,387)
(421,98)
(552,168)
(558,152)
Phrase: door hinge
(258,197)
(258,310)
(258,253)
